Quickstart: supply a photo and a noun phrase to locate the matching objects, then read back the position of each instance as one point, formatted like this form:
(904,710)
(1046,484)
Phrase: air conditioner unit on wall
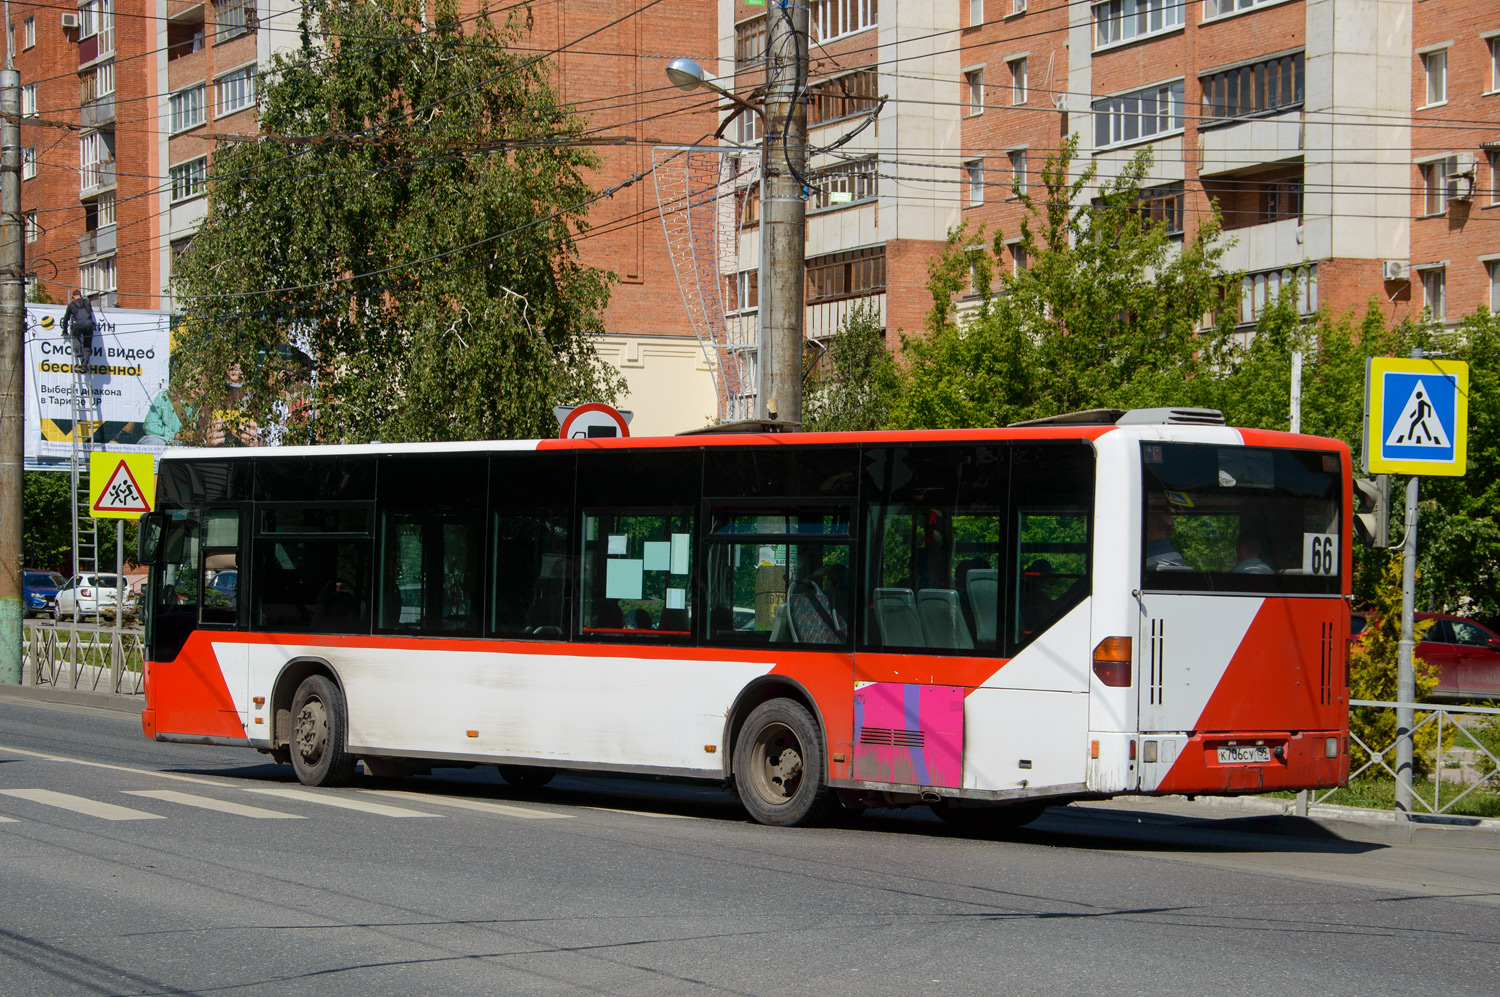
(70,20)
(1395,270)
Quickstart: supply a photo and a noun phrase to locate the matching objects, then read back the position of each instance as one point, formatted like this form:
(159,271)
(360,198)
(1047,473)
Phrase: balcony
(95,178)
(100,242)
(99,112)
(1250,142)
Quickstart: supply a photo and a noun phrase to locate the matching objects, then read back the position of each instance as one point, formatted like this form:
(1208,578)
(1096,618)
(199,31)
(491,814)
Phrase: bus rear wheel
(779,766)
(319,734)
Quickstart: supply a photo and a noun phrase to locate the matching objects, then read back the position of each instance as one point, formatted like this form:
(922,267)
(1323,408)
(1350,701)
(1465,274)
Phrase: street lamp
(686,75)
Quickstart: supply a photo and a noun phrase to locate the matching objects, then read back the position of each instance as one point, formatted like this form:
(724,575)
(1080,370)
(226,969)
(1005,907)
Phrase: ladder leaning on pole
(85,527)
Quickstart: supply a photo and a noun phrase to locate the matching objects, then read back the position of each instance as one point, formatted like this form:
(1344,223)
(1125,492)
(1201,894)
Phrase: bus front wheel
(319,728)
(779,766)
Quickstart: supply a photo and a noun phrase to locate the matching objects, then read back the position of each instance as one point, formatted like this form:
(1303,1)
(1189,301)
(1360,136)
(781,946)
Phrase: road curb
(73,697)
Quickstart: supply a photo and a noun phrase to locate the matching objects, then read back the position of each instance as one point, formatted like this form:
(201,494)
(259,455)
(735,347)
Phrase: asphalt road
(120,877)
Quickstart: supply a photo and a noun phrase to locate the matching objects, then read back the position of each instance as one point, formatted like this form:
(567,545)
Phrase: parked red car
(1467,656)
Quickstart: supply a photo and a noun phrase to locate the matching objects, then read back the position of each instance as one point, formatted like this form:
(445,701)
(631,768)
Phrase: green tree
(1107,313)
(1373,676)
(395,257)
(853,385)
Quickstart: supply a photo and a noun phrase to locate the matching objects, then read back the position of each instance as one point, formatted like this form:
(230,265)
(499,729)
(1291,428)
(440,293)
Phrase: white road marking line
(116,768)
(303,796)
(7,820)
(209,803)
(80,805)
(483,806)
(641,813)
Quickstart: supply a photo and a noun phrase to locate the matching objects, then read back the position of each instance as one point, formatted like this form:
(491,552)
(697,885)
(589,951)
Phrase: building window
(750,42)
(1494,158)
(830,19)
(842,185)
(749,127)
(186,36)
(28,33)
(974,89)
(1117,21)
(852,93)
(1435,291)
(28,100)
(1018,259)
(236,91)
(1257,88)
(99,83)
(189,179)
(104,210)
(1435,186)
(96,19)
(1165,206)
(96,151)
(744,292)
(179,249)
(1134,116)
(187,108)
(1494,266)
(1220,8)
(747,204)
(1494,44)
(1436,65)
(98,277)
(33,230)
(1018,170)
(28,163)
(976,13)
(974,178)
(235,18)
(1018,81)
(1018,7)
(845,275)
(1280,201)
(1258,290)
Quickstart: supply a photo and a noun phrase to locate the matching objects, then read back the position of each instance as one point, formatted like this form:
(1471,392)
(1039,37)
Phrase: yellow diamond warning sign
(121,485)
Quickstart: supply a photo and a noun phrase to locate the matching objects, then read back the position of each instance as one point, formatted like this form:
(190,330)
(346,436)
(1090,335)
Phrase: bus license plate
(1244,754)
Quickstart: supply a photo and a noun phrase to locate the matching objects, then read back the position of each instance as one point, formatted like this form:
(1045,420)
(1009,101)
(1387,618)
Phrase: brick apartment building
(1352,146)
(126,100)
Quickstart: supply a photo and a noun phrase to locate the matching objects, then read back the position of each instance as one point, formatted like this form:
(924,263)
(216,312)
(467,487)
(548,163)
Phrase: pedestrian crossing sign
(1416,416)
(121,485)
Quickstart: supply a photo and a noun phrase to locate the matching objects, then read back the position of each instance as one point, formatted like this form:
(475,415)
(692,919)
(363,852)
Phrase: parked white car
(88,594)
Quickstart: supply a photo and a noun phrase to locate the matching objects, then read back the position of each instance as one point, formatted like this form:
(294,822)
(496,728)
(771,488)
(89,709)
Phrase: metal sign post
(1416,423)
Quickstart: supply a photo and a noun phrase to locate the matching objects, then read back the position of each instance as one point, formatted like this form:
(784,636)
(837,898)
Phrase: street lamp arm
(687,75)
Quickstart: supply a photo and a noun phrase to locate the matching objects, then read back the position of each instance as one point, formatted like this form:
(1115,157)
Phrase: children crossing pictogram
(122,486)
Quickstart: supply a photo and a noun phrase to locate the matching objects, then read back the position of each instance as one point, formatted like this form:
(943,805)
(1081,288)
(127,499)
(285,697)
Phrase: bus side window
(1052,498)
(173,588)
(531,507)
(221,551)
(431,541)
(636,572)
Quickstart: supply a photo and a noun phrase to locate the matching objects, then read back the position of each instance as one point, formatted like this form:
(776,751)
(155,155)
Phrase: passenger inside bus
(1161,553)
(1247,555)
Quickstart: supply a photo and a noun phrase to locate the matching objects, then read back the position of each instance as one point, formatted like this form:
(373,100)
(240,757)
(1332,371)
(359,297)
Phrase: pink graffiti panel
(911,735)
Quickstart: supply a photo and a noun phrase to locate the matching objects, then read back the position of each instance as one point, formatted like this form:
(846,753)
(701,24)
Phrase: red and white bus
(984,621)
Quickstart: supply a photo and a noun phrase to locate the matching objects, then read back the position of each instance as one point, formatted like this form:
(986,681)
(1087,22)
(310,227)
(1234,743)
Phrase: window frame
(28,163)
(1176,91)
(242,74)
(194,182)
(1435,291)
(1429,59)
(28,33)
(176,104)
(973,91)
(1110,15)
(974,181)
(1019,90)
(1019,182)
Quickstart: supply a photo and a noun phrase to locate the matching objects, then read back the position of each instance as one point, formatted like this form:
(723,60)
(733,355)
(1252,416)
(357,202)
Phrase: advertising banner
(123,383)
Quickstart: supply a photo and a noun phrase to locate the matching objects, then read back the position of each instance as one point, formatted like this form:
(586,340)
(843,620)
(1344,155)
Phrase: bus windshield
(1240,519)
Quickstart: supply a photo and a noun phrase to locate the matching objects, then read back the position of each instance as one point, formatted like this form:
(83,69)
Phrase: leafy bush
(1373,665)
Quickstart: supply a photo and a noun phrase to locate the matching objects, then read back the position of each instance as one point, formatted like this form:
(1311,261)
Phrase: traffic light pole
(1406,679)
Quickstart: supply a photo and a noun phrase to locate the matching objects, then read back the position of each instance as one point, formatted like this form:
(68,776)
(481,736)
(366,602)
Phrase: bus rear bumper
(1258,762)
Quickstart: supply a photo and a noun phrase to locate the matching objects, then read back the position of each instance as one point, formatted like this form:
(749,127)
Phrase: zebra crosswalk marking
(347,803)
(80,804)
(209,803)
(484,806)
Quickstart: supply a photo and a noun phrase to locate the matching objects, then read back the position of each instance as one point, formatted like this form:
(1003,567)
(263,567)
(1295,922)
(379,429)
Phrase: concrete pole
(784,211)
(1296,391)
(1406,678)
(12,377)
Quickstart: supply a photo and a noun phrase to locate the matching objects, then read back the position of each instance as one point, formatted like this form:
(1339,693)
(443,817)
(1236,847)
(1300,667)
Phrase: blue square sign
(1416,414)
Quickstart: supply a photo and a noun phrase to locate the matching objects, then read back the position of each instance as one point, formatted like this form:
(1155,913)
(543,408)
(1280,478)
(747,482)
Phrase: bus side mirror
(149,537)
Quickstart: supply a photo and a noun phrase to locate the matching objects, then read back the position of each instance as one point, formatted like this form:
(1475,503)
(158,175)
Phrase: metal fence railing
(85,658)
(1452,737)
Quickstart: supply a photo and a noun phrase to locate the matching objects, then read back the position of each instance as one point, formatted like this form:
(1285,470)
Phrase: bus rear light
(1148,752)
(1112,661)
(1132,750)
(1330,747)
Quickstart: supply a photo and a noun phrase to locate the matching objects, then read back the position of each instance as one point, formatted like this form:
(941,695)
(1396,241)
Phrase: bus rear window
(1240,519)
